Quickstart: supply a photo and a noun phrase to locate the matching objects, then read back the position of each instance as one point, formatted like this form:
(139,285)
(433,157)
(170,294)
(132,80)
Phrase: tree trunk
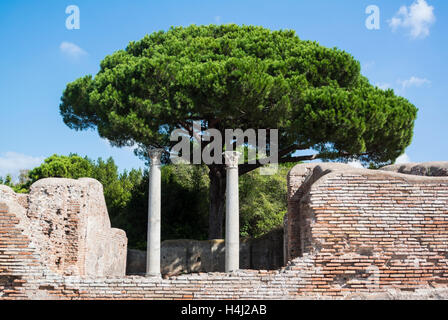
(217,177)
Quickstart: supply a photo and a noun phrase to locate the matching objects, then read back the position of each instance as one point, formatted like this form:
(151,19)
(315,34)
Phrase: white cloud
(218,19)
(414,82)
(404,158)
(12,162)
(355,164)
(417,18)
(72,50)
(400,86)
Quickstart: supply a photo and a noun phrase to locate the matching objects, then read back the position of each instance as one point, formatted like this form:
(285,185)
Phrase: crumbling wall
(69,223)
(19,255)
(364,229)
(349,233)
(300,179)
(430,169)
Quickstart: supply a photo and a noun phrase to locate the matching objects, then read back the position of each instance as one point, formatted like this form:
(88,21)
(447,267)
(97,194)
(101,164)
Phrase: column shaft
(154,208)
(232,241)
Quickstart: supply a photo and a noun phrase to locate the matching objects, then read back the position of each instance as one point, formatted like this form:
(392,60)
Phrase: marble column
(232,240)
(153,245)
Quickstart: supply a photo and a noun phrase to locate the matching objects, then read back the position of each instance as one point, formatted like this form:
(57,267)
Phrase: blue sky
(40,56)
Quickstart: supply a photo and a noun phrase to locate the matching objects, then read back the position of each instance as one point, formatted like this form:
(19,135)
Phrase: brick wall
(368,229)
(19,259)
(348,232)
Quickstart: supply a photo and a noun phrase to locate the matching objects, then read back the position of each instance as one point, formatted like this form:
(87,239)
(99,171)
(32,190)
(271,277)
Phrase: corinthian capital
(155,155)
(232,158)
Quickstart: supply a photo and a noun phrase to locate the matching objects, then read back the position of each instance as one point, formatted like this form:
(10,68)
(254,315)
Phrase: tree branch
(191,131)
(246,167)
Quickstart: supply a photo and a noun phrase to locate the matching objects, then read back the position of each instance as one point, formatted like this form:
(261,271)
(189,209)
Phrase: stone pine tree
(230,77)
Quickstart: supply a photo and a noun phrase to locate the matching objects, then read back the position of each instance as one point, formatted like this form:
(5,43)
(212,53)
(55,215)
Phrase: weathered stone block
(69,223)
(430,169)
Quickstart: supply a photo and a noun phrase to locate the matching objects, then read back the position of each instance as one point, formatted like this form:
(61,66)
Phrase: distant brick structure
(192,256)
(348,233)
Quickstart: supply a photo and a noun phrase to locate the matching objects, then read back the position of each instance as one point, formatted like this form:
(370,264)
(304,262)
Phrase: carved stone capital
(232,158)
(155,155)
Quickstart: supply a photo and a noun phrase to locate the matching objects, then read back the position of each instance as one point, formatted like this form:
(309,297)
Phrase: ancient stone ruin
(63,225)
(348,233)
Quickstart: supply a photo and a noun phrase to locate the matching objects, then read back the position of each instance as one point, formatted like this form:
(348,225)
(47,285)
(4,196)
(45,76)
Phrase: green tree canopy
(231,77)
(56,166)
(7,181)
(263,201)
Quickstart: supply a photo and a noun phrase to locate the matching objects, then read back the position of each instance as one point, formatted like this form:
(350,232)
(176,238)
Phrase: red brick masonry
(347,231)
